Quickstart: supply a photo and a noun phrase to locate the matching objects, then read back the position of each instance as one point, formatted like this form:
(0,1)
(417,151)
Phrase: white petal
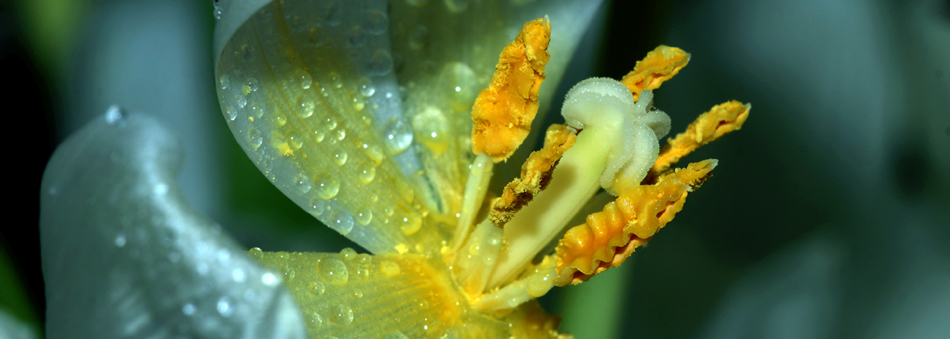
(125,256)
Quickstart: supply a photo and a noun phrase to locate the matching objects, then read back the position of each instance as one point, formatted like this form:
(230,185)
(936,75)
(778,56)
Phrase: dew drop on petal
(341,315)
(334,272)
(364,215)
(317,288)
(366,87)
(256,253)
(255,138)
(317,206)
(305,79)
(302,182)
(341,221)
(314,320)
(224,306)
(366,172)
(381,62)
(397,135)
(377,22)
(327,186)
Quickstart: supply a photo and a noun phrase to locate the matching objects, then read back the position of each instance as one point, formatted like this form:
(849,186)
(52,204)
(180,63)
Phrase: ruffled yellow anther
(658,66)
(535,174)
(708,127)
(607,238)
(504,111)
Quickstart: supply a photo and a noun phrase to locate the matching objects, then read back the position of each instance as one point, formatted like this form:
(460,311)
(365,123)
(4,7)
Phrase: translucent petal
(125,256)
(359,111)
(349,295)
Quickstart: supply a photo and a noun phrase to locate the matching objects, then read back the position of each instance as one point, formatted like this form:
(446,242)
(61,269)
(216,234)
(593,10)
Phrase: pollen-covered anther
(503,112)
(708,127)
(535,174)
(608,237)
(658,66)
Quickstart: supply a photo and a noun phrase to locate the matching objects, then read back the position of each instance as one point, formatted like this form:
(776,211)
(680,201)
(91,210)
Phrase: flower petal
(359,111)
(125,256)
(350,295)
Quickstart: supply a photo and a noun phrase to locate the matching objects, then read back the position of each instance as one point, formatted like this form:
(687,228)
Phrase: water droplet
(374,152)
(241,101)
(456,6)
(120,240)
(357,294)
(335,80)
(389,268)
(115,116)
(377,22)
(256,253)
(355,37)
(341,315)
(397,135)
(327,186)
(325,92)
(224,306)
(341,221)
(314,320)
(317,288)
(281,119)
(366,172)
(366,120)
(255,138)
(230,113)
(218,13)
(296,141)
(289,273)
(305,79)
(238,275)
(409,223)
(334,271)
(358,103)
(188,309)
(364,215)
(305,107)
(366,87)
(348,253)
(319,135)
(381,62)
(432,128)
(330,123)
(253,84)
(388,210)
(340,157)
(224,82)
(418,37)
(340,134)
(317,206)
(540,284)
(257,110)
(302,183)
(459,84)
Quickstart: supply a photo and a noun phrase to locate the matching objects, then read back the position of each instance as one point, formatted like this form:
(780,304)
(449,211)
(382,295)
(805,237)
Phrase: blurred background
(829,215)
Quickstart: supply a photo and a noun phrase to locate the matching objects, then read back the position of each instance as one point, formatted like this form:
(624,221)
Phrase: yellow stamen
(708,127)
(504,111)
(535,174)
(607,238)
(658,66)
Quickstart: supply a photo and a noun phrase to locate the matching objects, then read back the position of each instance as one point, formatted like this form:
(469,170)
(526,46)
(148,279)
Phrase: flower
(385,160)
